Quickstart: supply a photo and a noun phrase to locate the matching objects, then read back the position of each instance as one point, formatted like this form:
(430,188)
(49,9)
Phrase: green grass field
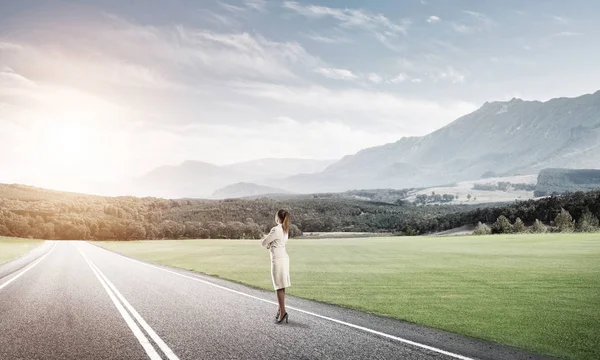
(538,292)
(11,248)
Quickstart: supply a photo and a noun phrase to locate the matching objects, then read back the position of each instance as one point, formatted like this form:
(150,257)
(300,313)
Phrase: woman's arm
(267,240)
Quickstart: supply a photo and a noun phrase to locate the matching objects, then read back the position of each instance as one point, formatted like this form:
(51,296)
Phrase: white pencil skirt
(280,270)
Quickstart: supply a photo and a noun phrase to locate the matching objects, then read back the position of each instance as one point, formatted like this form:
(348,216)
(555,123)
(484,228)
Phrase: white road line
(164,347)
(375,332)
(152,354)
(28,267)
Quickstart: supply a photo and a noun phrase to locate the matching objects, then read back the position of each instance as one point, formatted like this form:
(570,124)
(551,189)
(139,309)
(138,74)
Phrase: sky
(105,90)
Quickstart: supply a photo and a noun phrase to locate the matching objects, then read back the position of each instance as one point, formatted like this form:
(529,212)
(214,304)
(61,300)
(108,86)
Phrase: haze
(108,90)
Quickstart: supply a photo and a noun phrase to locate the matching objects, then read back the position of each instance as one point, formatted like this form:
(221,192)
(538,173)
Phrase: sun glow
(74,147)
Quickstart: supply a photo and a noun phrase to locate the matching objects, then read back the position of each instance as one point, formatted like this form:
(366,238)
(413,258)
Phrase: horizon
(105,91)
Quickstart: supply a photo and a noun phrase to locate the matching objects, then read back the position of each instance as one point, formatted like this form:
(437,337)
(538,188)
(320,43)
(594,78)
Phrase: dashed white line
(358,327)
(27,268)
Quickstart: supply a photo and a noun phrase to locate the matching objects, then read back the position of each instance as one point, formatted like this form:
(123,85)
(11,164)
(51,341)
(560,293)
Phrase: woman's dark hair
(284,218)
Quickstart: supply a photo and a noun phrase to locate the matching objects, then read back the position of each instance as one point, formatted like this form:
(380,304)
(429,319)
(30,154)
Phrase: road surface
(74,300)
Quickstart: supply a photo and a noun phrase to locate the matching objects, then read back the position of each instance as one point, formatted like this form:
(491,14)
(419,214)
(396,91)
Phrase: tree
(469,197)
(587,222)
(519,226)
(502,226)
(482,229)
(409,231)
(564,221)
(539,227)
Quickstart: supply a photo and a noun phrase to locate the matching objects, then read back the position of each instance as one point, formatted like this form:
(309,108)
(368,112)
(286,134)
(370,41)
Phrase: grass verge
(12,248)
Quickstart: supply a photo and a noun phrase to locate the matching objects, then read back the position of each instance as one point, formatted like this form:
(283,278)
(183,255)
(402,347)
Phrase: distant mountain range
(243,189)
(505,138)
(196,179)
(508,138)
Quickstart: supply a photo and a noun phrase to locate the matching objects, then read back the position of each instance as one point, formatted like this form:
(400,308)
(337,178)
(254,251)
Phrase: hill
(196,179)
(559,181)
(508,138)
(243,189)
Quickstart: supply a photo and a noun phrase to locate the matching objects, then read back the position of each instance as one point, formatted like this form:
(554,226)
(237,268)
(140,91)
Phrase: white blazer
(277,238)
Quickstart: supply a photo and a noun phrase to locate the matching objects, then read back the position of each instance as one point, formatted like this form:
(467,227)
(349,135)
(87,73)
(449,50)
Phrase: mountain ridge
(510,137)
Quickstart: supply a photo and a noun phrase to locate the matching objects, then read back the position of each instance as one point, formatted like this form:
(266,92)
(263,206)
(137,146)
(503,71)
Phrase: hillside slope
(196,179)
(509,138)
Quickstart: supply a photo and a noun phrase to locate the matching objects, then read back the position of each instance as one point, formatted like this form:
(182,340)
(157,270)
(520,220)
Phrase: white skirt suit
(280,261)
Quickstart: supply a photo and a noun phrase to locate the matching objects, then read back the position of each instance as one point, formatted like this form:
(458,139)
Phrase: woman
(280,262)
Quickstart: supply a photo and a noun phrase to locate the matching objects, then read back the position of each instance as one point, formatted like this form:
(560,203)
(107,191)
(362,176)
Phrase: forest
(38,213)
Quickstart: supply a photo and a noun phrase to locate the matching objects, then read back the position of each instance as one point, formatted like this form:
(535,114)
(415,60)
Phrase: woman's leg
(281,301)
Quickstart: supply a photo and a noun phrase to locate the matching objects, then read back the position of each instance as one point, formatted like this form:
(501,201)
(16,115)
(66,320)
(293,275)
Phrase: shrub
(587,222)
(539,227)
(482,229)
(502,226)
(564,221)
(519,226)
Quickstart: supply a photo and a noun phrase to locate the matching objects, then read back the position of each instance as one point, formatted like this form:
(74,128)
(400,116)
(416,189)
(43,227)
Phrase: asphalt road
(74,300)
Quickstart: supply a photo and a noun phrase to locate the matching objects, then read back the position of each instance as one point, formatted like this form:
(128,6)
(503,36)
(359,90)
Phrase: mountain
(196,179)
(279,168)
(559,181)
(508,138)
(243,189)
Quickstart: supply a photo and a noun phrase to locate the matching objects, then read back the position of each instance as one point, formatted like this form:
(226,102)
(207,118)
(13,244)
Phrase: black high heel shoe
(285,317)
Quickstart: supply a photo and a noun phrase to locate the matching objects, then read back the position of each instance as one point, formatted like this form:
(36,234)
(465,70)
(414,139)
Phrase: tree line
(36,213)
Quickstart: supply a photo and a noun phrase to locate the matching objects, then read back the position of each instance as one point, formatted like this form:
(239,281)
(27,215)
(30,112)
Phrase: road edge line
(22,271)
(358,327)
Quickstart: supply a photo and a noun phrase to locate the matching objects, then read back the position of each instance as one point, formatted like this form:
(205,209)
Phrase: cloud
(149,85)
(433,19)
(377,24)
(416,81)
(448,73)
(258,5)
(400,78)
(328,39)
(561,20)
(363,109)
(476,22)
(231,8)
(248,5)
(432,67)
(375,78)
(568,34)
(336,74)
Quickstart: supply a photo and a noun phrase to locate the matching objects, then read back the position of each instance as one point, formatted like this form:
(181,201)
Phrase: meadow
(12,248)
(538,292)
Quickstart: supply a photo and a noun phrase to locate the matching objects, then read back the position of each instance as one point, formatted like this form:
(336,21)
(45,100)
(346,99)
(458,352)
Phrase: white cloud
(400,78)
(375,23)
(219,19)
(448,73)
(231,8)
(375,78)
(561,20)
(336,74)
(258,5)
(328,39)
(433,19)
(568,34)
(476,22)
(417,81)
(462,28)
(361,108)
